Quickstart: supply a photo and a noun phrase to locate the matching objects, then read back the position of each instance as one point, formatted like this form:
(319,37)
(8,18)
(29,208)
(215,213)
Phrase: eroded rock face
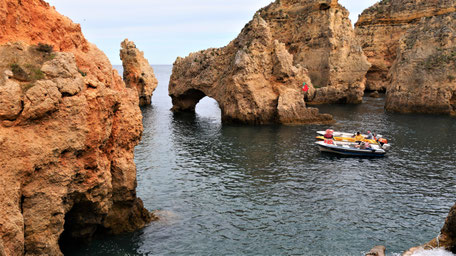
(446,239)
(380,27)
(68,127)
(423,77)
(253,79)
(137,72)
(319,35)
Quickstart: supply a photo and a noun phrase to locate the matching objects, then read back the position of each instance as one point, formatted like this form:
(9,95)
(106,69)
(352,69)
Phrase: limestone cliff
(253,79)
(380,27)
(137,72)
(446,239)
(319,35)
(423,78)
(68,127)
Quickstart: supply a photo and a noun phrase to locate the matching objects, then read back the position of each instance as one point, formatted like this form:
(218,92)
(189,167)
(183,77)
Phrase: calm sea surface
(267,190)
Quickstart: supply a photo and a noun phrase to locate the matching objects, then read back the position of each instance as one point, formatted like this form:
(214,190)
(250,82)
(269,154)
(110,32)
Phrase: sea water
(267,190)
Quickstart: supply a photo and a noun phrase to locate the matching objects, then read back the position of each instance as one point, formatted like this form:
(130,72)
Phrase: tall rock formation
(253,79)
(423,77)
(68,128)
(380,27)
(137,72)
(319,35)
(287,43)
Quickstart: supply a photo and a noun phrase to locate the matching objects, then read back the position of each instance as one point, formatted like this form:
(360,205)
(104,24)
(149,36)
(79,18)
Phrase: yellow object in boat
(348,139)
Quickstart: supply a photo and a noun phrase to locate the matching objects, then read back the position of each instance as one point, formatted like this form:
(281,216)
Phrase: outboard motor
(386,147)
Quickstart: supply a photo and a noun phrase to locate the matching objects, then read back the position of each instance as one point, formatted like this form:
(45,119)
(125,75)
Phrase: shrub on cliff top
(45,48)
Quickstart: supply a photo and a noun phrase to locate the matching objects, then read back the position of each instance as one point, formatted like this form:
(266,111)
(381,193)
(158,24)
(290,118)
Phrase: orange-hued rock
(423,77)
(68,128)
(253,79)
(380,27)
(319,35)
(137,72)
(446,239)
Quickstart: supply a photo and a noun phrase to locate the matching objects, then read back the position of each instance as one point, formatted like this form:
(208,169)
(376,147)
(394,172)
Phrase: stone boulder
(423,77)
(68,128)
(380,27)
(378,250)
(253,79)
(137,72)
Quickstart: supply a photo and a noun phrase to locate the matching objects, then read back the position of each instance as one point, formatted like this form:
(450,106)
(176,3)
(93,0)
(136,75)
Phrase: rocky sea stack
(68,128)
(137,72)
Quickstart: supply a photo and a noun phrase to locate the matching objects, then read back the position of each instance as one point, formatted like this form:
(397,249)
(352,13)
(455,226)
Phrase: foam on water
(434,252)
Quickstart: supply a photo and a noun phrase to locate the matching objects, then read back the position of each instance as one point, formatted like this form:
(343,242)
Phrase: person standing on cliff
(305,89)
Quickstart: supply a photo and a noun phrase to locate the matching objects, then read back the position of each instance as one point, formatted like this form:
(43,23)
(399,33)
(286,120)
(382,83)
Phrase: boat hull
(349,151)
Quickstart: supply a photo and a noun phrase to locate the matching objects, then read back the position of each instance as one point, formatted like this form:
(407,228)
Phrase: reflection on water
(267,190)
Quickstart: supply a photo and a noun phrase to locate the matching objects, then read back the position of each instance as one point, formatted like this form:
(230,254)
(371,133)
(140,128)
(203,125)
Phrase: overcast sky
(167,29)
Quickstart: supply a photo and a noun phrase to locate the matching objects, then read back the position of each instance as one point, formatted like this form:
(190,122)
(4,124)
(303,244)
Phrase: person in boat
(359,138)
(369,135)
(329,137)
(364,145)
(329,134)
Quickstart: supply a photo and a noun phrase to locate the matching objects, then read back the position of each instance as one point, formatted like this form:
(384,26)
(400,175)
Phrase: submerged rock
(68,128)
(423,77)
(137,72)
(380,27)
(253,79)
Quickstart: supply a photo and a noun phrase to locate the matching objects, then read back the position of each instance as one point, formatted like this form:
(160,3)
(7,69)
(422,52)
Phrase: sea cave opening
(81,223)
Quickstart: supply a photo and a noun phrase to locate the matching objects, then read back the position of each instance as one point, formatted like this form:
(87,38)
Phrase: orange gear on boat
(382,140)
(329,141)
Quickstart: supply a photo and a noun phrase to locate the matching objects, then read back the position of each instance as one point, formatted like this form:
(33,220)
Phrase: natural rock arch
(253,80)
(187,101)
